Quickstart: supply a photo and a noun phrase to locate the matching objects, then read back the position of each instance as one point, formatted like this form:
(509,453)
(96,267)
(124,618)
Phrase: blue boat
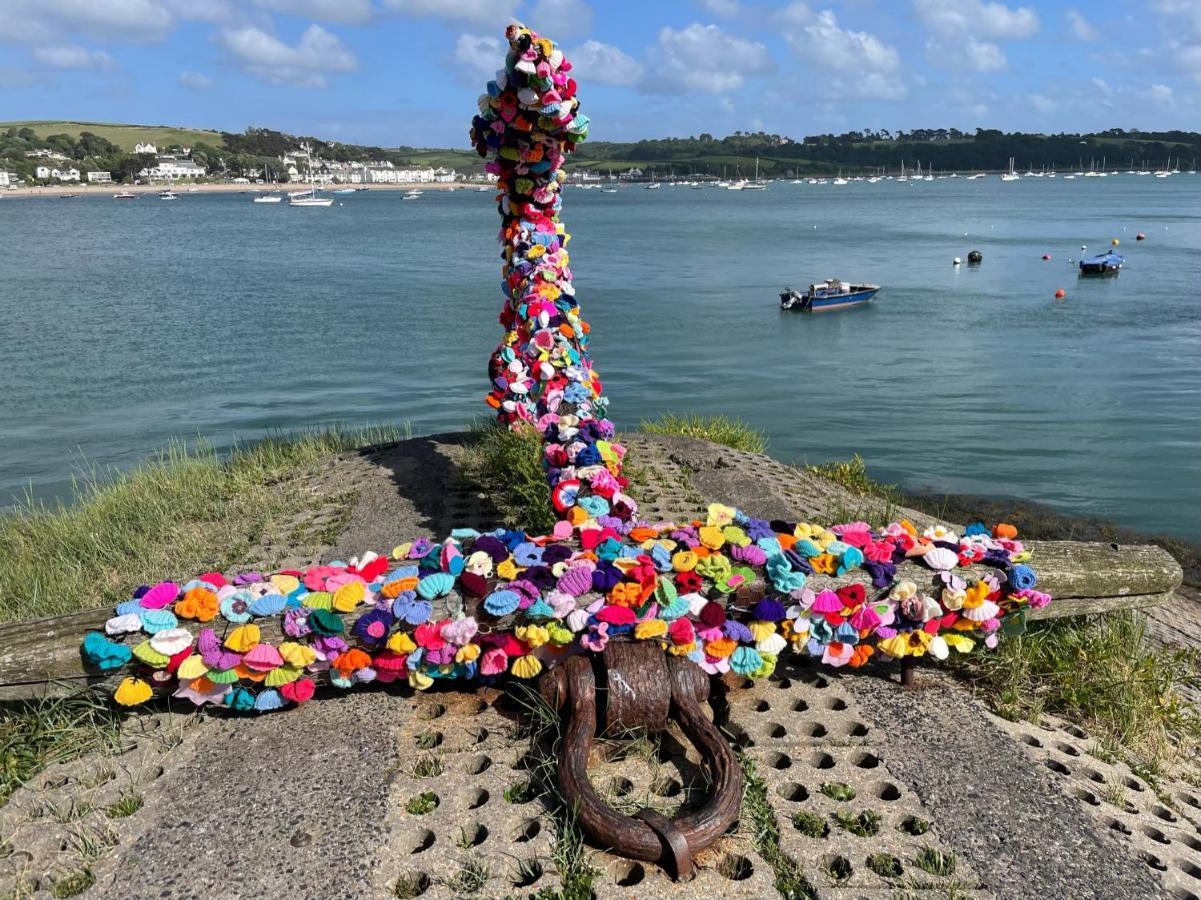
(1105,264)
(830,295)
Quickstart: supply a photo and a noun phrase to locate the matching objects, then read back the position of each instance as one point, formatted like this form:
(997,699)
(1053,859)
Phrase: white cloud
(487,13)
(794,14)
(195,80)
(979,56)
(214,11)
(349,12)
(1082,29)
(1103,86)
(305,65)
(703,58)
(593,61)
(847,63)
(724,8)
(951,18)
(73,56)
(480,56)
(1162,95)
(48,21)
(560,20)
(1042,104)
(1181,13)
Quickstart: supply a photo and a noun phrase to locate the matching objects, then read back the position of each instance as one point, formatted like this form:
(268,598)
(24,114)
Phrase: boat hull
(858,296)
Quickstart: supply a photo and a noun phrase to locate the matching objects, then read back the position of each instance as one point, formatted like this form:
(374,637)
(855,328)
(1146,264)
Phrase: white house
(46,173)
(100,177)
(7,178)
(145,148)
(170,168)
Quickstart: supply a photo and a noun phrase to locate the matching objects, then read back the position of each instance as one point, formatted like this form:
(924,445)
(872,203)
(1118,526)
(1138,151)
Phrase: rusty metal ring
(645,676)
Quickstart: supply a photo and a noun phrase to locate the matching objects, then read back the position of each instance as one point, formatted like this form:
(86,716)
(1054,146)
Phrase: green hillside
(124,136)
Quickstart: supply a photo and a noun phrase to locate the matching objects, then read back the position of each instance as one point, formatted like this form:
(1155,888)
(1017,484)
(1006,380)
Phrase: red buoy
(1060,294)
(1046,256)
(1140,237)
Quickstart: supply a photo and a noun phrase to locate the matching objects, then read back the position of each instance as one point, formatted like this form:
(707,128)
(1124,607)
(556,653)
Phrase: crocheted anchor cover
(730,592)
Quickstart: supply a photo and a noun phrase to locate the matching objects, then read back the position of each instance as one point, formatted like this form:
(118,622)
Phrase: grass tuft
(1105,674)
(716,429)
(36,734)
(130,803)
(74,884)
(410,884)
(187,510)
(837,790)
(507,466)
(885,865)
(935,862)
(423,803)
(865,824)
(790,881)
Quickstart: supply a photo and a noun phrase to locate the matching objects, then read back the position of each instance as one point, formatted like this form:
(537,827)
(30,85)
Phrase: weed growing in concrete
(470,878)
(427,766)
(790,881)
(423,803)
(74,884)
(810,825)
(410,884)
(836,790)
(935,862)
(129,803)
(885,865)
(914,826)
(865,824)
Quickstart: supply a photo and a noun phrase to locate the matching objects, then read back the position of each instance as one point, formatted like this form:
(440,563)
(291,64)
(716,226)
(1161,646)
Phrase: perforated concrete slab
(877,792)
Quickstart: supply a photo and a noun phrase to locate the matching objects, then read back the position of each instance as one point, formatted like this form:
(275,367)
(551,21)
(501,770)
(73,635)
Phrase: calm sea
(124,325)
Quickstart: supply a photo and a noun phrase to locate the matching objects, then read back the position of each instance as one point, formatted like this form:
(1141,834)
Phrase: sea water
(126,325)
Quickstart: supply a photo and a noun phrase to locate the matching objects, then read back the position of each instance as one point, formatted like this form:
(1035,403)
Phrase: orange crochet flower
(350,661)
(824,564)
(198,603)
(721,648)
(398,586)
(861,655)
(626,593)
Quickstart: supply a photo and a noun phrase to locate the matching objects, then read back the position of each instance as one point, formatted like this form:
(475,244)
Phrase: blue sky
(393,72)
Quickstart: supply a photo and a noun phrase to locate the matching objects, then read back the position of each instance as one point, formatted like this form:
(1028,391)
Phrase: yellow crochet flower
(720,515)
(684,561)
(651,628)
(401,643)
(133,691)
(349,595)
(712,537)
(532,635)
(243,638)
(508,570)
(296,654)
(527,667)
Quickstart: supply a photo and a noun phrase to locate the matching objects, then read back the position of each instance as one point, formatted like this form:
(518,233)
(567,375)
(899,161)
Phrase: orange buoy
(1140,237)
(1060,294)
(1046,256)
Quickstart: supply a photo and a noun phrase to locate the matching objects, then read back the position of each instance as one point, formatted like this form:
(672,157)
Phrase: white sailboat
(1011,175)
(309,197)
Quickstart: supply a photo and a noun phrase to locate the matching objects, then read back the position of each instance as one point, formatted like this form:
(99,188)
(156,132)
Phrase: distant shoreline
(107,190)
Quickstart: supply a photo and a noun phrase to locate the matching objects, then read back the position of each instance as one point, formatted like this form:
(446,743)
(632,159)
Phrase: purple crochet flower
(296,623)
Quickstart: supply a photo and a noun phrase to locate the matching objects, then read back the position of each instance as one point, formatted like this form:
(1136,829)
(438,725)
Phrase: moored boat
(125,195)
(1109,263)
(830,295)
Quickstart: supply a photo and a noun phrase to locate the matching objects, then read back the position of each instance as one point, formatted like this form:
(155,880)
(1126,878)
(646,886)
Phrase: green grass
(410,884)
(74,884)
(935,862)
(717,429)
(885,865)
(36,734)
(422,804)
(851,474)
(124,136)
(1105,674)
(757,813)
(130,803)
(865,824)
(507,466)
(837,790)
(187,510)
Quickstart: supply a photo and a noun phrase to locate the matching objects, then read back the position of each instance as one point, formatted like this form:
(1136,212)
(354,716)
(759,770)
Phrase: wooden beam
(41,657)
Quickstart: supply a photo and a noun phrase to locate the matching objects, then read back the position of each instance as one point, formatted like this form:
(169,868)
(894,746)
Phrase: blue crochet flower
(101,653)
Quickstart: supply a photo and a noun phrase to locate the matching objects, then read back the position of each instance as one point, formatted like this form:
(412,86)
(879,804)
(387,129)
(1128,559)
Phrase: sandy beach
(107,190)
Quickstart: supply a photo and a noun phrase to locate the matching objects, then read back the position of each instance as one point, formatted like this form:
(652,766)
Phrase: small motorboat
(832,294)
(125,195)
(168,195)
(268,198)
(1109,263)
